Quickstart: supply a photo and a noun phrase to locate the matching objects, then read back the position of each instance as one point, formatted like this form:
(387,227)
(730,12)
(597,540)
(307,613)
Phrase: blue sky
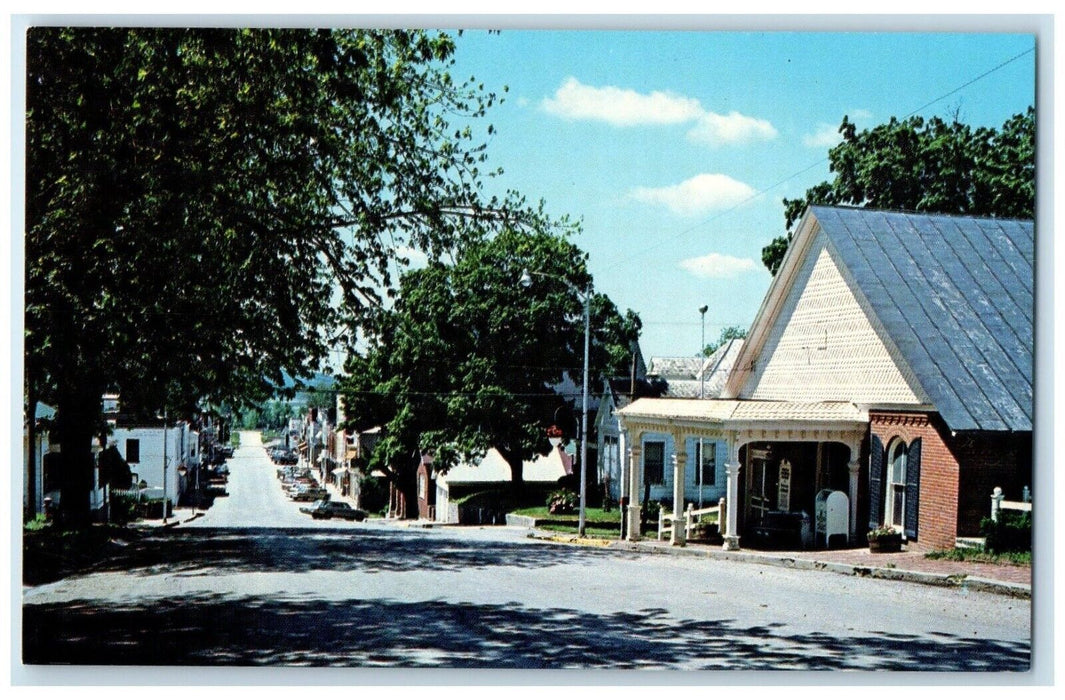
(675,149)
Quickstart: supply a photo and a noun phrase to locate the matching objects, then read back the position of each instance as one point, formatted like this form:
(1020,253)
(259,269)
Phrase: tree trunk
(517,476)
(405,479)
(77,414)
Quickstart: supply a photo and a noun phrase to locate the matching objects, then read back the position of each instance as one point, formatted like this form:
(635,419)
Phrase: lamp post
(702,395)
(526,281)
(164,465)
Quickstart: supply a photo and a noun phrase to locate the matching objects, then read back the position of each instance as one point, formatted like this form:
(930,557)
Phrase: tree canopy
(727,333)
(199,199)
(935,166)
(469,359)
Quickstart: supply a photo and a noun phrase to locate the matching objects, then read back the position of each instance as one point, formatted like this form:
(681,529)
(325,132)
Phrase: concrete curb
(959,581)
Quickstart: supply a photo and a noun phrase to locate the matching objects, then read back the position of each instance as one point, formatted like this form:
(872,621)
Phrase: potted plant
(885,539)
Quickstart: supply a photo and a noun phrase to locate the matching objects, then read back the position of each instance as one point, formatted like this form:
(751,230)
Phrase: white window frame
(898,454)
(645,473)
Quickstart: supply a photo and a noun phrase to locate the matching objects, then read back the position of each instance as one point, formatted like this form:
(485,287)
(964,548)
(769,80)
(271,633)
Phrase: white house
(491,471)
(667,377)
(144,448)
(38,452)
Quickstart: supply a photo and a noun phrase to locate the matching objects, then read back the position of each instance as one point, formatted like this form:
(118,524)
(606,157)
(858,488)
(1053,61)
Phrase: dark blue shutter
(913,487)
(876,481)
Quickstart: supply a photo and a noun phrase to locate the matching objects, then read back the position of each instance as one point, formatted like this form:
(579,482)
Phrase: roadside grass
(51,552)
(597,522)
(979,556)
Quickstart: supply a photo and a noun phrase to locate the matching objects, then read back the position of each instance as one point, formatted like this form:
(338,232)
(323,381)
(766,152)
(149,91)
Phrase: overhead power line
(765,190)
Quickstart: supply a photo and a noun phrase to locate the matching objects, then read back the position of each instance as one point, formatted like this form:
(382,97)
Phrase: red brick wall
(937,526)
(958,473)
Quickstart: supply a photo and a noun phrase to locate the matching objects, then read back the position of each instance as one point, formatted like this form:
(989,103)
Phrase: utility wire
(765,190)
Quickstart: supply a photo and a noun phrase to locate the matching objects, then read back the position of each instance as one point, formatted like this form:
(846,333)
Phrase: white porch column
(853,467)
(635,474)
(732,494)
(680,459)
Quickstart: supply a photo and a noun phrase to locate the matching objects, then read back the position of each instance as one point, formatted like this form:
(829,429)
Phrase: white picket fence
(999,503)
(667,522)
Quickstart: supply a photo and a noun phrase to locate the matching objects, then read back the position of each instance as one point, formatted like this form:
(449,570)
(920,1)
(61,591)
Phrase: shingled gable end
(924,326)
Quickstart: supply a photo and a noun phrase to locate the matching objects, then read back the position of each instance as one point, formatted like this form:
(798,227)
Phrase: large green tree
(196,199)
(470,359)
(935,166)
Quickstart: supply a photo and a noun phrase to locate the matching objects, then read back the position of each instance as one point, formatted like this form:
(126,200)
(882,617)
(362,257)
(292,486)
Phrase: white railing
(999,503)
(691,517)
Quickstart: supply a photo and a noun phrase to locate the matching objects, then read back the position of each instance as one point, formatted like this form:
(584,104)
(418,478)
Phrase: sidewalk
(911,566)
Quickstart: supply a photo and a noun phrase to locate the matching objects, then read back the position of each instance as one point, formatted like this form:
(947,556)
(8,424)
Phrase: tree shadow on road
(211,552)
(211,630)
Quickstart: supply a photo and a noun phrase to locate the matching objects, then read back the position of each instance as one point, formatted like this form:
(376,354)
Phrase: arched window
(895,488)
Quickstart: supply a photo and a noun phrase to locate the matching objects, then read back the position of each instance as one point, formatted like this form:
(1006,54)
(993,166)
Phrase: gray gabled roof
(670,368)
(710,380)
(956,296)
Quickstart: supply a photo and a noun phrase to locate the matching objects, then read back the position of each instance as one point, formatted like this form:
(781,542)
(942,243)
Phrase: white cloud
(857,115)
(619,106)
(698,195)
(625,107)
(718,129)
(718,266)
(416,259)
(826,136)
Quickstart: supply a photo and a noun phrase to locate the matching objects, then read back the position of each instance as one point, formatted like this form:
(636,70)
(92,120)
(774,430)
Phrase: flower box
(885,543)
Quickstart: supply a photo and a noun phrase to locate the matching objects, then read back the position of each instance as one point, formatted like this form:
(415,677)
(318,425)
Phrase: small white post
(689,517)
(661,521)
(996,503)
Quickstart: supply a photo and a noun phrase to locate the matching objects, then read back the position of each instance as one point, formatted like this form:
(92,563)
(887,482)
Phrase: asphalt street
(254,582)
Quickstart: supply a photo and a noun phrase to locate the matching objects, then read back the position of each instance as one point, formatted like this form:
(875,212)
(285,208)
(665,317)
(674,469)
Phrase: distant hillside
(317,380)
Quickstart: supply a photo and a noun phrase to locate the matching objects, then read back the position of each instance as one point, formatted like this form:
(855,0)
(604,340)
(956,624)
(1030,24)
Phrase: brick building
(891,361)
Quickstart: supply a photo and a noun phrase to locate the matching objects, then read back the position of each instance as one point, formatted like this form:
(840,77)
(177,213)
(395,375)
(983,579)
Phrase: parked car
(310,494)
(334,509)
(216,487)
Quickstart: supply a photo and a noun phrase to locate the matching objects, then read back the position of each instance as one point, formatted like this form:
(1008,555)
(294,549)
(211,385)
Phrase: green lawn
(597,522)
(590,515)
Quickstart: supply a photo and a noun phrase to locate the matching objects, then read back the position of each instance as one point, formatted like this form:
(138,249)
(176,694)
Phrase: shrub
(373,494)
(38,523)
(562,502)
(123,509)
(652,510)
(1011,533)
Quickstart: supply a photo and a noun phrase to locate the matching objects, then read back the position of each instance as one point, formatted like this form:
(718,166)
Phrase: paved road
(255,582)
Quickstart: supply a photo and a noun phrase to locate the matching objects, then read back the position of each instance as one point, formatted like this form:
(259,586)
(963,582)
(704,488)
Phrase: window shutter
(876,481)
(913,487)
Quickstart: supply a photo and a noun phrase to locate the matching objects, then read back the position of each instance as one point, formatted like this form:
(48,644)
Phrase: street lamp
(702,395)
(702,349)
(526,281)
